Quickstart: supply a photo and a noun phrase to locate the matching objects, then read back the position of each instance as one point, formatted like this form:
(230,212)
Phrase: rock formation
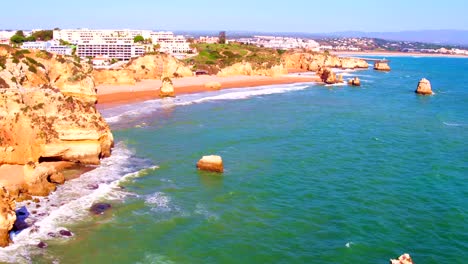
(211,163)
(47,113)
(424,87)
(355,81)
(145,67)
(7,216)
(327,76)
(315,61)
(381,66)
(403,259)
(167,88)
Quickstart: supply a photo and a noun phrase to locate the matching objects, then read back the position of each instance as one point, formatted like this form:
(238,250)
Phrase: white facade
(49,46)
(5,36)
(119,44)
(281,42)
(40,45)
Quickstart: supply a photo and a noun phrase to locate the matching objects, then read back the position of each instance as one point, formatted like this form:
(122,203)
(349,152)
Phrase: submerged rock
(92,186)
(403,259)
(99,208)
(211,163)
(424,87)
(65,233)
(42,245)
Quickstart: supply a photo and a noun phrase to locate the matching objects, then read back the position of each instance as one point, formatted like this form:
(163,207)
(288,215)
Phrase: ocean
(313,174)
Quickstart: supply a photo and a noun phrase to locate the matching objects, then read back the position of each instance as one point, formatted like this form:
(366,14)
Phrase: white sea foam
(133,111)
(158,200)
(71,202)
(454,124)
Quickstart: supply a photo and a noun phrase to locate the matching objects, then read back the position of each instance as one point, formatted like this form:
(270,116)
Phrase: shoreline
(394,54)
(114,95)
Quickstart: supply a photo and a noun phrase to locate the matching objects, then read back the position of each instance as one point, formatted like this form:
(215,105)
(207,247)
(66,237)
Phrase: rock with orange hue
(167,88)
(114,77)
(381,66)
(328,76)
(424,87)
(237,69)
(403,259)
(7,216)
(314,61)
(355,81)
(211,163)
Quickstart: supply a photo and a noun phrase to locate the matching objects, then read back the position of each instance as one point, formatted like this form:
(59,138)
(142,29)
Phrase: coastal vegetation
(213,57)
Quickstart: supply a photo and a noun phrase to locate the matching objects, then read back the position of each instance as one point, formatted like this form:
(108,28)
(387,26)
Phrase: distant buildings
(119,44)
(285,43)
(50,46)
(5,36)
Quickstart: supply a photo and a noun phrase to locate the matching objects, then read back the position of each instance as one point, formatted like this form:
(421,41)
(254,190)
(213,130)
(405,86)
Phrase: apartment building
(119,44)
(50,46)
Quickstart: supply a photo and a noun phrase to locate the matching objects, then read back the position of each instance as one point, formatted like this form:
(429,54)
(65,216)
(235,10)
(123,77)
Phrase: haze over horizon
(243,15)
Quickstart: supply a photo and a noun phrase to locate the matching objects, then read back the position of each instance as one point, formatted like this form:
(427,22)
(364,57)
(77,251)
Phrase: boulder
(213,85)
(354,82)
(381,66)
(99,208)
(327,76)
(7,216)
(424,87)
(167,88)
(403,259)
(211,163)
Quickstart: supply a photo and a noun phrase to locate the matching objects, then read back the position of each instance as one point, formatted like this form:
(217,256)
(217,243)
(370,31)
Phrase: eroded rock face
(45,124)
(167,88)
(381,66)
(211,163)
(424,87)
(355,81)
(328,76)
(315,61)
(7,216)
(145,67)
(403,259)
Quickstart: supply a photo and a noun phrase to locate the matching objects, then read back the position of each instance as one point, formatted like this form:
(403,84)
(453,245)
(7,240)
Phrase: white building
(285,43)
(50,46)
(119,44)
(5,36)
(39,45)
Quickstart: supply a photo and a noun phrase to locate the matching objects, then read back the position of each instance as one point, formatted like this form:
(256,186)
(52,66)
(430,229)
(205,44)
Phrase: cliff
(314,61)
(47,113)
(146,67)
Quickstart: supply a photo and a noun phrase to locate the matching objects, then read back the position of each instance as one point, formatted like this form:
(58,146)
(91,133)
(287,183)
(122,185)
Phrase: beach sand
(113,95)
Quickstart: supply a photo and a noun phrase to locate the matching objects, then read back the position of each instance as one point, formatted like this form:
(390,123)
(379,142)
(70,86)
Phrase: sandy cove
(113,95)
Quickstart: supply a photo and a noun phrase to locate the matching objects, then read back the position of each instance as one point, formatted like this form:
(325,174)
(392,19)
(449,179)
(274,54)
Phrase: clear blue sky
(252,15)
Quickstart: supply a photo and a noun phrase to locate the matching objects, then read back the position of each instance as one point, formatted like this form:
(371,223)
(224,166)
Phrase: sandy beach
(112,95)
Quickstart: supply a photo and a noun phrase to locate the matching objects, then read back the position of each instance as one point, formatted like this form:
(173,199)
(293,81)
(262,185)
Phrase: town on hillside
(109,48)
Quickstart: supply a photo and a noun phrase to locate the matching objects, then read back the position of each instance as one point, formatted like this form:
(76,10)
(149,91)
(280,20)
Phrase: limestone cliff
(145,67)
(246,68)
(47,113)
(7,216)
(314,61)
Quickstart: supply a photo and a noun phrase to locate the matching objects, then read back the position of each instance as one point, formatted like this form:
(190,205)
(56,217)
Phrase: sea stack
(381,66)
(424,87)
(327,76)
(354,82)
(167,88)
(403,259)
(211,163)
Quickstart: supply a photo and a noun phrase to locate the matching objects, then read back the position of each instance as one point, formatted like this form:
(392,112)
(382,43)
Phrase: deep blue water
(314,174)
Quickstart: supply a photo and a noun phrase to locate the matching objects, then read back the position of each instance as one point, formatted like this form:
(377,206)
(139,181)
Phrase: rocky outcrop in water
(381,66)
(424,87)
(355,81)
(7,216)
(167,88)
(403,259)
(211,163)
(328,76)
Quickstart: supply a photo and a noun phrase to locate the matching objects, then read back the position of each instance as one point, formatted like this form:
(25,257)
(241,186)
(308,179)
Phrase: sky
(238,15)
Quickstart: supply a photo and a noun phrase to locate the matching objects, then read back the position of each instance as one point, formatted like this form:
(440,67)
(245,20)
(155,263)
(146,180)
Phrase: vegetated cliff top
(213,57)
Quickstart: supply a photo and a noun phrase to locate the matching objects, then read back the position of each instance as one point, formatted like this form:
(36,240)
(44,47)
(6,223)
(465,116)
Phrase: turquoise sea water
(313,174)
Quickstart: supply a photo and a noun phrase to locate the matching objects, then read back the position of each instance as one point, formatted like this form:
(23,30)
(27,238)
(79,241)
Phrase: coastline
(115,95)
(394,54)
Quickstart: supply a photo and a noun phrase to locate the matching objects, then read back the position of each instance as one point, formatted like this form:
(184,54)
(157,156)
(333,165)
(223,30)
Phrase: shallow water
(313,174)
